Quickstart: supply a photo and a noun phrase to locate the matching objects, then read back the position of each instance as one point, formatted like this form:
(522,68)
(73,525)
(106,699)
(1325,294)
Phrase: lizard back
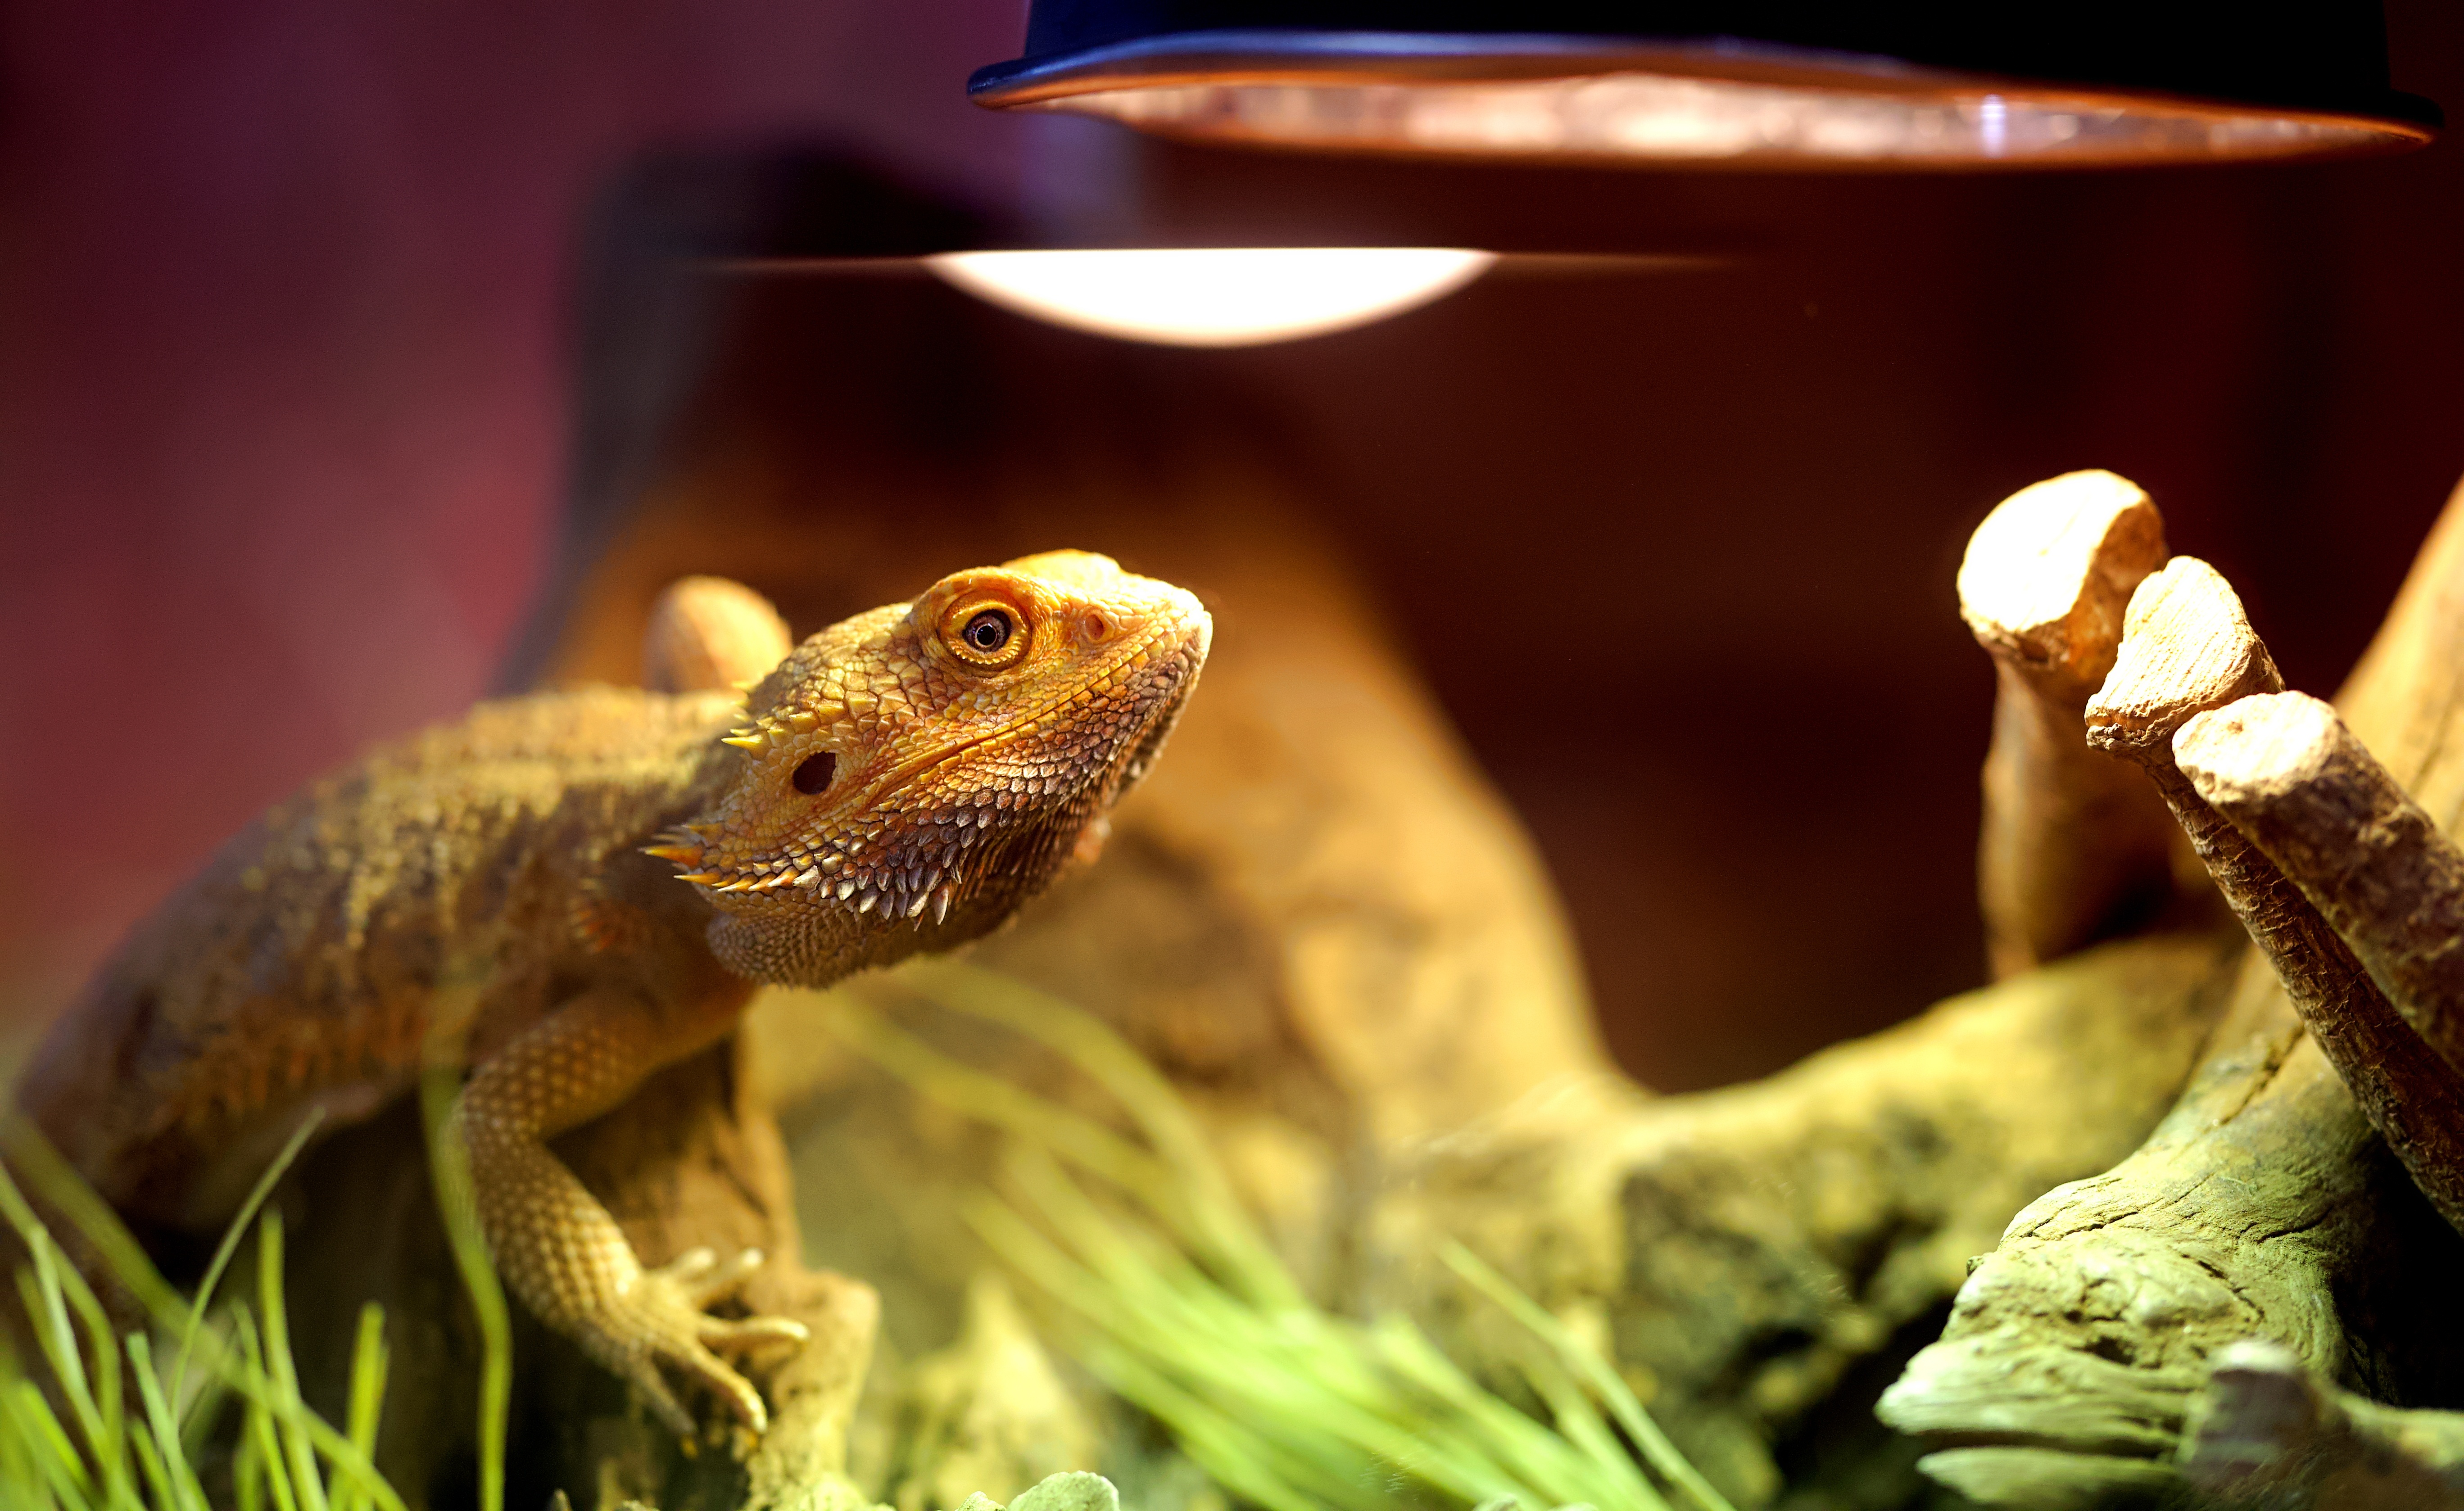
(491,862)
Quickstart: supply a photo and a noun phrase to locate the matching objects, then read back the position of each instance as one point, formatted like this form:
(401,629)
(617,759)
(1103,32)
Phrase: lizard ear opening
(813,774)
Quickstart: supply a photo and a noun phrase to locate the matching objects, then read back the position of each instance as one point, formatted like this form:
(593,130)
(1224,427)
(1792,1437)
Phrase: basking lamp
(1213,297)
(1782,83)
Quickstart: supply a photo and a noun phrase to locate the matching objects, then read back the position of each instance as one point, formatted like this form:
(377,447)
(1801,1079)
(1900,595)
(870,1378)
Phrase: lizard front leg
(556,1245)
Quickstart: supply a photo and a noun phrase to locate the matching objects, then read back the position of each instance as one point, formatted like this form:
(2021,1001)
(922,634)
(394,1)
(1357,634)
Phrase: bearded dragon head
(910,775)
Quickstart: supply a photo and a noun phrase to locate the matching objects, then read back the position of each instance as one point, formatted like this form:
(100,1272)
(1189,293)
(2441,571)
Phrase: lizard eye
(988,631)
(814,772)
(987,636)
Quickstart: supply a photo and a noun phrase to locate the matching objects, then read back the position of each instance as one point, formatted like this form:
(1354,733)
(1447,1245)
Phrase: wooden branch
(2301,790)
(1752,1250)
(2297,782)
(2265,1205)
(709,634)
(2074,847)
(2268,1432)
(2187,649)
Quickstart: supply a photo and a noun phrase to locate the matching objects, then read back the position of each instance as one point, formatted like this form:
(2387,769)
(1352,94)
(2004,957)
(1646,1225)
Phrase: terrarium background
(284,406)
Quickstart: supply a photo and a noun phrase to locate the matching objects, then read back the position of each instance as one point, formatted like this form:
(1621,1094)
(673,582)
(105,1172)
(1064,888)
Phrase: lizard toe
(701,1276)
(725,1383)
(660,1322)
(716,1279)
(642,1371)
(724,1332)
(686,1267)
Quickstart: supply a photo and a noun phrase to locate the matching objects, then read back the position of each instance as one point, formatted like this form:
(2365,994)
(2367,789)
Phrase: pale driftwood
(2267,1432)
(2186,647)
(2263,1205)
(2073,846)
(1760,1258)
(2294,779)
(711,634)
(2188,651)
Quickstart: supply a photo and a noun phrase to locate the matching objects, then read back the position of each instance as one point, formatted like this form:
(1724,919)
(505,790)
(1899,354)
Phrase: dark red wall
(282,386)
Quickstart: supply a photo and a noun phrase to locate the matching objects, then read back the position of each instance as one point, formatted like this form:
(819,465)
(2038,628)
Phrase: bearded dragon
(900,784)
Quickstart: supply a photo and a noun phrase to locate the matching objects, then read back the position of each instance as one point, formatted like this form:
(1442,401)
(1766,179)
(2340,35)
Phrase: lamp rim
(2390,122)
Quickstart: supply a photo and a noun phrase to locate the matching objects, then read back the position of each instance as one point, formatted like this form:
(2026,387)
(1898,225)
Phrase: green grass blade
(129,1265)
(450,1165)
(186,1494)
(42,1294)
(299,1452)
(150,1463)
(88,1213)
(55,1459)
(1214,1219)
(120,1253)
(232,1233)
(260,1422)
(110,1405)
(1530,1450)
(196,1404)
(1611,1476)
(368,1365)
(21,1481)
(338,1450)
(248,1470)
(269,1454)
(1253,1465)
(1252,1362)
(1285,1406)
(1209,1365)
(1083,1040)
(1004,1104)
(1656,1450)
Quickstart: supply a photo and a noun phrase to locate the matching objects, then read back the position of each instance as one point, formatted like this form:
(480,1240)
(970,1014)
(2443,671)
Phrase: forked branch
(2187,650)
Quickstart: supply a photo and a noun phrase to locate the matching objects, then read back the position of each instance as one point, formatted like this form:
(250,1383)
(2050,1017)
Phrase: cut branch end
(2187,648)
(2049,574)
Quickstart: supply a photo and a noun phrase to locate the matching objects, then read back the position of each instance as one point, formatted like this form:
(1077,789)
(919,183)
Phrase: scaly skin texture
(508,885)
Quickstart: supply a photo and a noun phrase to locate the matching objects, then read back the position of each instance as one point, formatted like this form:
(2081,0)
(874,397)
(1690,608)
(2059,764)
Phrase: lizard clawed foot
(660,1318)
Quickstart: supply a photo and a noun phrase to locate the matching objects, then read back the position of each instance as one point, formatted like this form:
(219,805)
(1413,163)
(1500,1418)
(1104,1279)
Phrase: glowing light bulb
(1213,297)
